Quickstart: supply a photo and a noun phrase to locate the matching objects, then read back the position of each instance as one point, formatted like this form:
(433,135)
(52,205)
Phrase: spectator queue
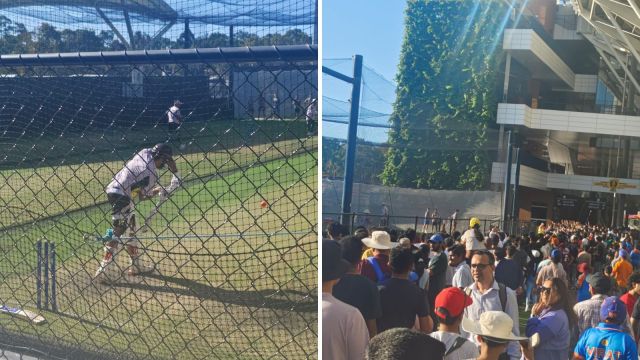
(564,291)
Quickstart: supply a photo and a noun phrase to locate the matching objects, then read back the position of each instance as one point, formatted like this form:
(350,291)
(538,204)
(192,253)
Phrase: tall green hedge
(450,59)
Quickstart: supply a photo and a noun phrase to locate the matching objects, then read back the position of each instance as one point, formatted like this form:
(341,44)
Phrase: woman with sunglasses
(553,319)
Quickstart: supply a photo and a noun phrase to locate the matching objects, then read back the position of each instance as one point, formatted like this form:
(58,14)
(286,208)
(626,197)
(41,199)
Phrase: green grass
(236,280)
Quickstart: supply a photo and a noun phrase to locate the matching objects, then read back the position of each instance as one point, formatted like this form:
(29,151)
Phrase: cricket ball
(264,204)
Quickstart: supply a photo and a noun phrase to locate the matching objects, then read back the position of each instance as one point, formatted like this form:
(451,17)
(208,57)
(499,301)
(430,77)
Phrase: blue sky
(371,28)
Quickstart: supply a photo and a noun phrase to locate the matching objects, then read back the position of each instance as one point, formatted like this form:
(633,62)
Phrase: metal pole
(352,139)
(39,275)
(231,36)
(613,210)
(52,263)
(515,216)
(507,183)
(315,24)
(46,274)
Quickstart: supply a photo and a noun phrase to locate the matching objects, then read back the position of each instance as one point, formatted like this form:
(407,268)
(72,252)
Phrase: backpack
(381,277)
(456,345)
(502,294)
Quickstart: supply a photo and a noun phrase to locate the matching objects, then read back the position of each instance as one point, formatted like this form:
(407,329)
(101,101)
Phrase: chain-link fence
(225,265)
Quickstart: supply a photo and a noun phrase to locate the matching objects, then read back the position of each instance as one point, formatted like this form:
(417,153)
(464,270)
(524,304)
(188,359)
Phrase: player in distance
(137,179)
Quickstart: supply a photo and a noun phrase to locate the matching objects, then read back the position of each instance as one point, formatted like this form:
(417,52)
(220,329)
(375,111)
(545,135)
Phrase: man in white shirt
(454,218)
(310,116)
(137,180)
(344,331)
(384,221)
(461,271)
(174,118)
(488,295)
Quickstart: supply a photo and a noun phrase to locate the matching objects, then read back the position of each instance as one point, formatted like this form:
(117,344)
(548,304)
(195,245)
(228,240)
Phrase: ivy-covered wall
(450,61)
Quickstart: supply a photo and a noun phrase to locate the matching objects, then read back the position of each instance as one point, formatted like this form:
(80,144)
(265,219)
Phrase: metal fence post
(45,259)
(39,274)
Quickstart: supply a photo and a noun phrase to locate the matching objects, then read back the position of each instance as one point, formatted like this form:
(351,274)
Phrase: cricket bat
(175,184)
(25,314)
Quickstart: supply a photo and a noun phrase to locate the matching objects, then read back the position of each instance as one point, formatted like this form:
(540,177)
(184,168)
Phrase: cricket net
(233,250)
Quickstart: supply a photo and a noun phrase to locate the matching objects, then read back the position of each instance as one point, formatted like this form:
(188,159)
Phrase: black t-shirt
(600,253)
(636,310)
(573,250)
(360,292)
(438,266)
(509,273)
(401,301)
(520,257)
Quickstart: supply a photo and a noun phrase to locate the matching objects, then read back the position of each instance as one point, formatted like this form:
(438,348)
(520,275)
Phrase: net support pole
(170,56)
(231,36)
(164,29)
(515,212)
(127,21)
(315,24)
(113,28)
(507,183)
(350,160)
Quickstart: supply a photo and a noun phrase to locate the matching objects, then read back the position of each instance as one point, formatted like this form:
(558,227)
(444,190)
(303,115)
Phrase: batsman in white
(138,179)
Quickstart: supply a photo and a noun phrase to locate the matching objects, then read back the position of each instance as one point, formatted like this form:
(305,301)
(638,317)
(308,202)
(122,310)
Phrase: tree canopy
(446,94)
(15,38)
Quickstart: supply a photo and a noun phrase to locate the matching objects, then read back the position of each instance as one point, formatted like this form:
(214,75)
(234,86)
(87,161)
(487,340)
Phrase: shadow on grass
(93,323)
(258,298)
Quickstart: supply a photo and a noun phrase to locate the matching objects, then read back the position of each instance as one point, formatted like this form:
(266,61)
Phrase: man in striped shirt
(588,311)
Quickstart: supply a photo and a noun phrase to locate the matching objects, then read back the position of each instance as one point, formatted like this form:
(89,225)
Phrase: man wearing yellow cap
(473,238)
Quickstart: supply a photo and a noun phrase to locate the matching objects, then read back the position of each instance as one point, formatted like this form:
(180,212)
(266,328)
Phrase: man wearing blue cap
(552,270)
(607,340)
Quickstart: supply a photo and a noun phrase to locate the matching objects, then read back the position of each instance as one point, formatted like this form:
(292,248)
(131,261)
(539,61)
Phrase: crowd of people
(391,294)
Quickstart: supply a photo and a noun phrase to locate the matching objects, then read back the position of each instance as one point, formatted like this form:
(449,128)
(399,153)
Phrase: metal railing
(517,227)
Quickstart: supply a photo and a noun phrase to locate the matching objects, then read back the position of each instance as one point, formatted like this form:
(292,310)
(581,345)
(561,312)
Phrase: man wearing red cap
(449,308)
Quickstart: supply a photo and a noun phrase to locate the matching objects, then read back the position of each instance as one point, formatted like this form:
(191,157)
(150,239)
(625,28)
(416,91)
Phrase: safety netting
(222,266)
(76,25)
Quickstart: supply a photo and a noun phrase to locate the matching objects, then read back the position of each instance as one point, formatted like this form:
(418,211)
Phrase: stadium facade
(571,98)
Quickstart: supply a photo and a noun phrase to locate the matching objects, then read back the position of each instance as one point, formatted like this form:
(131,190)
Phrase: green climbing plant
(446,95)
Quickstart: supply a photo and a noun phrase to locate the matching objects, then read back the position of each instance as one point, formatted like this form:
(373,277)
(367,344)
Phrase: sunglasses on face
(479,266)
(544,290)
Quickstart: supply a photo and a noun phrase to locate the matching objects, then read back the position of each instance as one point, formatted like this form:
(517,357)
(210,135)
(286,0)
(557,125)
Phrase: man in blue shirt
(607,341)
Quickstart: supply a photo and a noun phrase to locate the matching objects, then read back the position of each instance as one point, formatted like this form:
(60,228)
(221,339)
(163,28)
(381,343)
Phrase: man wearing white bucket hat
(493,331)
(376,267)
